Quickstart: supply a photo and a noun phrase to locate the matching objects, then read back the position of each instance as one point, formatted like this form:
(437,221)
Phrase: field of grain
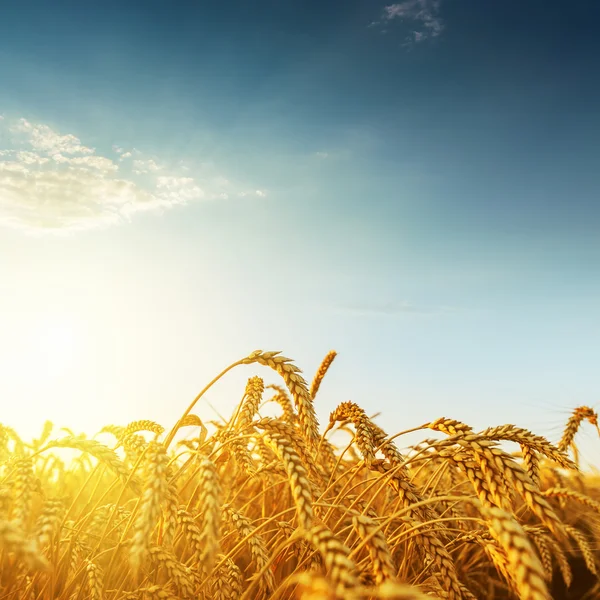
(263,507)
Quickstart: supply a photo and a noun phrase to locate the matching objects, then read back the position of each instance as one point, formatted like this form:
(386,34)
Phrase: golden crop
(270,508)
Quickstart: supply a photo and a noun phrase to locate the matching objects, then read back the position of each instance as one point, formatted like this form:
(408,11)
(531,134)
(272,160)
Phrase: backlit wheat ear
(115,430)
(321,372)
(381,558)
(561,559)
(49,520)
(191,420)
(434,550)
(23,493)
(228,581)
(77,551)
(209,507)
(541,542)
(243,457)
(341,569)
(235,443)
(134,445)
(584,547)
(143,425)
(580,414)
(297,476)
(46,432)
(532,496)
(370,433)
(449,426)
(474,475)
(531,462)
(349,411)
(251,402)
(297,386)
(6,435)
(154,495)
(291,433)
(499,560)
(181,576)
(529,441)
(282,398)
(94,580)
(102,513)
(406,490)
(255,543)
(482,465)
(495,471)
(171,506)
(523,565)
(192,533)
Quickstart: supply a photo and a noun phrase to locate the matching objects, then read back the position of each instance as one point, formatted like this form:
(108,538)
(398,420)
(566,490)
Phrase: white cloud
(71,199)
(31,158)
(50,181)
(321,154)
(100,163)
(145,166)
(424,14)
(178,189)
(257,193)
(44,139)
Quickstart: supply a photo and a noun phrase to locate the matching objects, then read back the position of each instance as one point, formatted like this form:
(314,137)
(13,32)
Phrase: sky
(413,184)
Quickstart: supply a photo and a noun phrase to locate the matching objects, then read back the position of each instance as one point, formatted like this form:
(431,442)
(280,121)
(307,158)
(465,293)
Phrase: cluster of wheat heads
(264,507)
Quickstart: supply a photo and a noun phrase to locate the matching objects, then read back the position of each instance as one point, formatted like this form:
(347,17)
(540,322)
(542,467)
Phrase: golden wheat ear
(321,372)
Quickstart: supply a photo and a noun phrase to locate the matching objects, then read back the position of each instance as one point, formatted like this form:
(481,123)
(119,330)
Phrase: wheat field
(269,507)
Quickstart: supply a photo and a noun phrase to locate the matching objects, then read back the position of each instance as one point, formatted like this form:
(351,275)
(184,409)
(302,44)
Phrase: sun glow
(40,350)
(41,360)
(53,348)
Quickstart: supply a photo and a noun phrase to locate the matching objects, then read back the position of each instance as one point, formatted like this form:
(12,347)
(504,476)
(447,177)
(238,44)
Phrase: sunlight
(40,370)
(53,347)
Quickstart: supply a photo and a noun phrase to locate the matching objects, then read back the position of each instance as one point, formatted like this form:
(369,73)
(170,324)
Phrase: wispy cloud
(148,165)
(257,193)
(54,182)
(423,16)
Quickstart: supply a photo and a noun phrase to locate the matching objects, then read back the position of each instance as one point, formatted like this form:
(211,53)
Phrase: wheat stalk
(335,555)
(321,372)
(297,386)
(297,476)
(209,507)
(523,565)
(155,492)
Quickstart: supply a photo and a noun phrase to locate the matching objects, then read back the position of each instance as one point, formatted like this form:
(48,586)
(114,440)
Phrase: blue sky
(414,184)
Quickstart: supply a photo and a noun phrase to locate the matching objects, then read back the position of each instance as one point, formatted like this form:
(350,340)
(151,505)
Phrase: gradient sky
(414,184)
